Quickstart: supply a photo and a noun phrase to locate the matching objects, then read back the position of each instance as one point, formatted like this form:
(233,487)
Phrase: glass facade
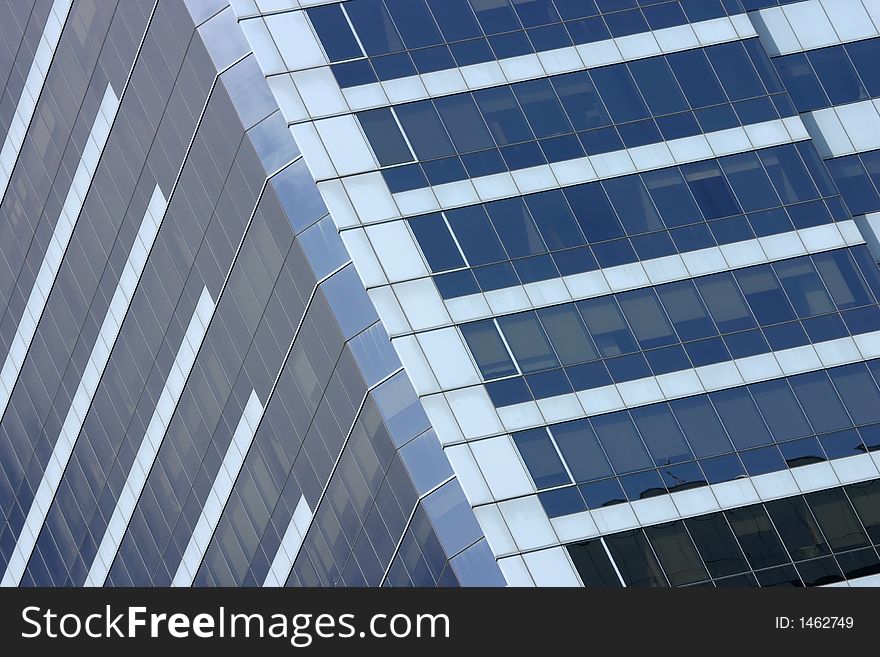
(440,293)
(626,252)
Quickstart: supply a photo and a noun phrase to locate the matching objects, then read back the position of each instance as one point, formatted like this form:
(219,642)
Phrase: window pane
(788,173)
(716,545)
(658,85)
(594,212)
(697,78)
(515,227)
(555,220)
(530,346)
(686,310)
(843,279)
(476,235)
(622,444)
(488,349)
(335,34)
(858,391)
(374,26)
(618,90)
(495,16)
(503,116)
(607,327)
(635,560)
(865,498)
(567,333)
(436,242)
(661,434)
(820,401)
(541,458)
(581,101)
(424,129)
(750,182)
(464,123)
(385,137)
(804,287)
(837,75)
(799,530)
(725,302)
(414,22)
(764,295)
(741,418)
(677,553)
(593,565)
(801,82)
(735,70)
(711,190)
(780,410)
(542,108)
(581,450)
(647,319)
(672,197)
(837,519)
(455,18)
(756,535)
(633,204)
(701,425)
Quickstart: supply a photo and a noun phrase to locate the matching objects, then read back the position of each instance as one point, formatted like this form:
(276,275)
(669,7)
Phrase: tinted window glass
(677,553)
(635,560)
(756,535)
(607,326)
(488,349)
(837,519)
(622,444)
(541,458)
(528,342)
(716,545)
(661,434)
(593,565)
(568,335)
(741,418)
(647,319)
(701,425)
(581,450)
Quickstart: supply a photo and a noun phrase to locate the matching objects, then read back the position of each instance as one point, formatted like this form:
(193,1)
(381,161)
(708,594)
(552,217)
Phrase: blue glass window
(836,72)
(865,55)
(843,280)
(476,235)
(647,319)
(567,333)
(579,446)
(374,26)
(801,82)
(858,391)
(541,458)
(555,220)
(575,8)
(436,242)
(741,418)
(851,178)
(528,342)
(414,22)
(455,18)
(503,115)
(618,90)
(594,212)
(633,204)
(495,16)
(334,32)
(515,227)
(464,123)
(385,136)
(488,349)
(661,434)
(735,70)
(696,77)
(701,426)
(658,85)
(711,189)
(750,182)
(764,295)
(804,287)
(535,12)
(781,410)
(542,108)
(686,310)
(820,402)
(588,30)
(725,302)
(425,130)
(788,173)
(607,327)
(672,197)
(621,441)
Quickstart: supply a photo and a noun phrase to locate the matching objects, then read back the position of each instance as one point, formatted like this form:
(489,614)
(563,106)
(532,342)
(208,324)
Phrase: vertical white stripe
(292,541)
(152,439)
(36,78)
(91,377)
(220,492)
(64,226)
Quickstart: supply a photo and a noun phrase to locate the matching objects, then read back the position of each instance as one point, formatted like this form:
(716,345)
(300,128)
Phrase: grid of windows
(858,179)
(810,540)
(677,326)
(627,219)
(370,40)
(706,439)
(563,117)
(831,76)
